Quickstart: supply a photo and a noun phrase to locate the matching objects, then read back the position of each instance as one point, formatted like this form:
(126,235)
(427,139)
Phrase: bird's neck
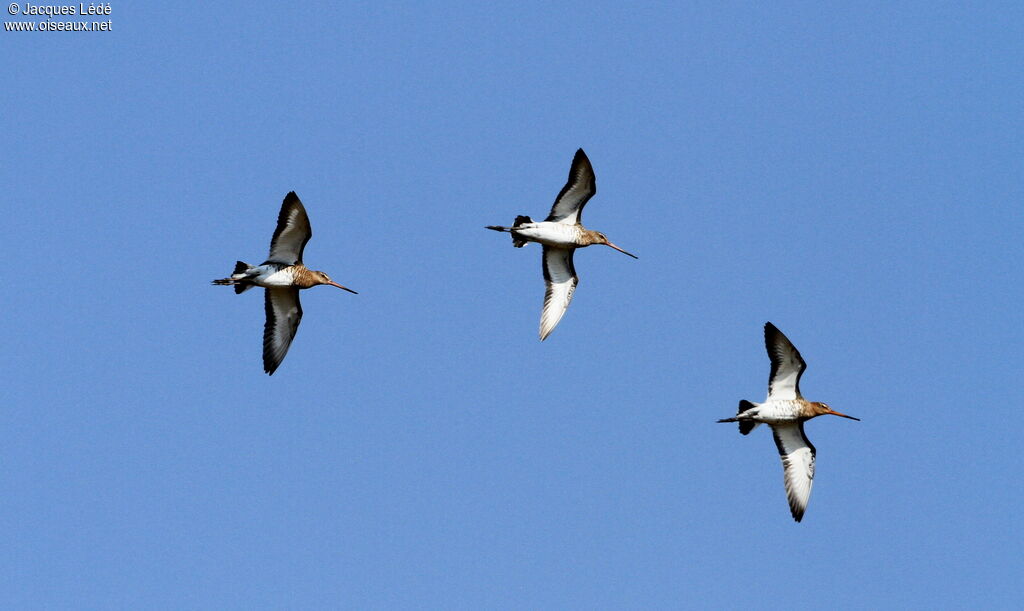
(586,236)
(303,277)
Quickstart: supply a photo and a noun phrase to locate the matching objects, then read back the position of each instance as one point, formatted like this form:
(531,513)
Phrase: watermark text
(52,17)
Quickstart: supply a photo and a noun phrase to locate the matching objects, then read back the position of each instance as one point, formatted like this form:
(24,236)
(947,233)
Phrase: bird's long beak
(620,250)
(344,288)
(835,413)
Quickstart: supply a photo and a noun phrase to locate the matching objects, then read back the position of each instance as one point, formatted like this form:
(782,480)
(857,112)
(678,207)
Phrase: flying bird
(282,275)
(560,234)
(785,410)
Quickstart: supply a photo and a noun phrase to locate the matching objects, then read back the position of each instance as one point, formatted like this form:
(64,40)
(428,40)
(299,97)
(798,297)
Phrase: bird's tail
(517,242)
(745,425)
(239,278)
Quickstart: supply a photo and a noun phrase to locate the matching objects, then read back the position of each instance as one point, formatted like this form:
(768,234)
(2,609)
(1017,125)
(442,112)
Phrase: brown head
(821,409)
(322,278)
(596,237)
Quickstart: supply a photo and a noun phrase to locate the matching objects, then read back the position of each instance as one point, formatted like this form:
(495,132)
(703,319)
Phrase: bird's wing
(283,315)
(581,186)
(797,465)
(292,233)
(560,278)
(787,365)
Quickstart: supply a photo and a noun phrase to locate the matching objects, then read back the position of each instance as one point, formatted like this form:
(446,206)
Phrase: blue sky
(853,175)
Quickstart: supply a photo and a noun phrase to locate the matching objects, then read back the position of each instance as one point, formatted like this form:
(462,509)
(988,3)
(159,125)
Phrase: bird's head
(323,278)
(822,409)
(600,238)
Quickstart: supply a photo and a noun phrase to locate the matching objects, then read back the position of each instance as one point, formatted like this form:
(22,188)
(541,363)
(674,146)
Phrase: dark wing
(797,465)
(292,233)
(560,278)
(283,315)
(582,185)
(787,365)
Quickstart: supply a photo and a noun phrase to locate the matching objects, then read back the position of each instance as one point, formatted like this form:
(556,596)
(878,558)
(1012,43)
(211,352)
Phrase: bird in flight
(785,411)
(282,275)
(560,234)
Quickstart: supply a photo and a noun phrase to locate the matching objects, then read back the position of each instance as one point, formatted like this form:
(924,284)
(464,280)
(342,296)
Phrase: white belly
(778,412)
(552,234)
(271,276)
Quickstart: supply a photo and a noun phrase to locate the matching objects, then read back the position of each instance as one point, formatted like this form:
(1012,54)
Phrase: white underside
(774,412)
(552,234)
(267,276)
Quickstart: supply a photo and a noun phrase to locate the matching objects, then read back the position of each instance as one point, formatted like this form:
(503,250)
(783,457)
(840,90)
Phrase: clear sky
(854,176)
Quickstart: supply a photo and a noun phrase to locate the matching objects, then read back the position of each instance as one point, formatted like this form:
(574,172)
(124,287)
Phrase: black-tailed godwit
(561,234)
(282,275)
(785,410)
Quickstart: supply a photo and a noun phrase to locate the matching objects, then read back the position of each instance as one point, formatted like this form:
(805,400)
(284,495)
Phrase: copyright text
(53,14)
